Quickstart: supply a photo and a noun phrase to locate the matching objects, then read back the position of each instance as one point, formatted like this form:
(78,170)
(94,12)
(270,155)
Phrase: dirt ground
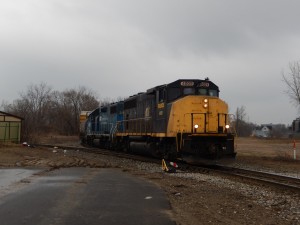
(194,198)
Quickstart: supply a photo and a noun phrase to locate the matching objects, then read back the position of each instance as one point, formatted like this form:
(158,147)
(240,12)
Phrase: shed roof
(8,114)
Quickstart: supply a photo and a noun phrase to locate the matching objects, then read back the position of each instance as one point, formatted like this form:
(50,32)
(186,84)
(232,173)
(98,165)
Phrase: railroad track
(281,181)
(271,179)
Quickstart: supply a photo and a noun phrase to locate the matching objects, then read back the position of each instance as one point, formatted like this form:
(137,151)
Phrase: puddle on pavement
(10,176)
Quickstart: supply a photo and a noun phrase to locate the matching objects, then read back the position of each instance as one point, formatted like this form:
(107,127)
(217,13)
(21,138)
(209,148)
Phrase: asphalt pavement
(79,196)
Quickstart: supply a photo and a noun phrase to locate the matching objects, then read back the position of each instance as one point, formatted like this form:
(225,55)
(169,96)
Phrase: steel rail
(281,181)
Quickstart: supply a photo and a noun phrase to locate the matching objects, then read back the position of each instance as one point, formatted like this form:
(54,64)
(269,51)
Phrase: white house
(264,131)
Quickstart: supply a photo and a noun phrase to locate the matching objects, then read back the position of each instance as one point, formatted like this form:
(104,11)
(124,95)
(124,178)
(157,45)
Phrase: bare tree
(33,106)
(240,113)
(292,81)
(242,127)
(68,106)
(47,111)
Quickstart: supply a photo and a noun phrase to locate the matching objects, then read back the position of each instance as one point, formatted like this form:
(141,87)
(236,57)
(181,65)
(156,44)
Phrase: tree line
(45,110)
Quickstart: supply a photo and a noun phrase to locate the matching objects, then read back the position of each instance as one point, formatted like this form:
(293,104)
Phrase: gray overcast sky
(120,47)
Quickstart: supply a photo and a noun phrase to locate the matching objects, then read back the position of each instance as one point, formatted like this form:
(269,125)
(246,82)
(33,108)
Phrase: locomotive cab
(199,120)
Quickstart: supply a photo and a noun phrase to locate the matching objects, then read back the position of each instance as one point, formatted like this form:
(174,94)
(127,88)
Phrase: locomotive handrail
(142,118)
(192,120)
(136,124)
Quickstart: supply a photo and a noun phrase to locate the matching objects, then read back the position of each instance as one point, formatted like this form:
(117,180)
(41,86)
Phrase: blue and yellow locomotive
(185,118)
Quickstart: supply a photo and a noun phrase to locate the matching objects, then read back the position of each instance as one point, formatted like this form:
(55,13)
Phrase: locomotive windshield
(175,93)
(188,91)
(209,92)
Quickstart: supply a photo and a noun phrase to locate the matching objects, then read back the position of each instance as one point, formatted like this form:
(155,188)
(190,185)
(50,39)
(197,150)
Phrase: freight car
(185,118)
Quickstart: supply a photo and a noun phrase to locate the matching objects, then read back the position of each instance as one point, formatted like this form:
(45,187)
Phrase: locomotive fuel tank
(143,148)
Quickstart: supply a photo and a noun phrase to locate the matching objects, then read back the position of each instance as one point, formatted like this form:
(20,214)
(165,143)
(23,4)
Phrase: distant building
(10,127)
(263,131)
(295,128)
(296,125)
(272,131)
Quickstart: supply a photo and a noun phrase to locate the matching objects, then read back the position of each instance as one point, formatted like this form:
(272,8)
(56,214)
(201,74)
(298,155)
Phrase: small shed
(10,127)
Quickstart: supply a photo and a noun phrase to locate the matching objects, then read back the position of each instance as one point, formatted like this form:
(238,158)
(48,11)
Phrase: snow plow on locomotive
(182,119)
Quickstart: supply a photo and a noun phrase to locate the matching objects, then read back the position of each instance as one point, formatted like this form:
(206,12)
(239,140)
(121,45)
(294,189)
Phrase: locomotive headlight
(227,126)
(196,126)
(205,105)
